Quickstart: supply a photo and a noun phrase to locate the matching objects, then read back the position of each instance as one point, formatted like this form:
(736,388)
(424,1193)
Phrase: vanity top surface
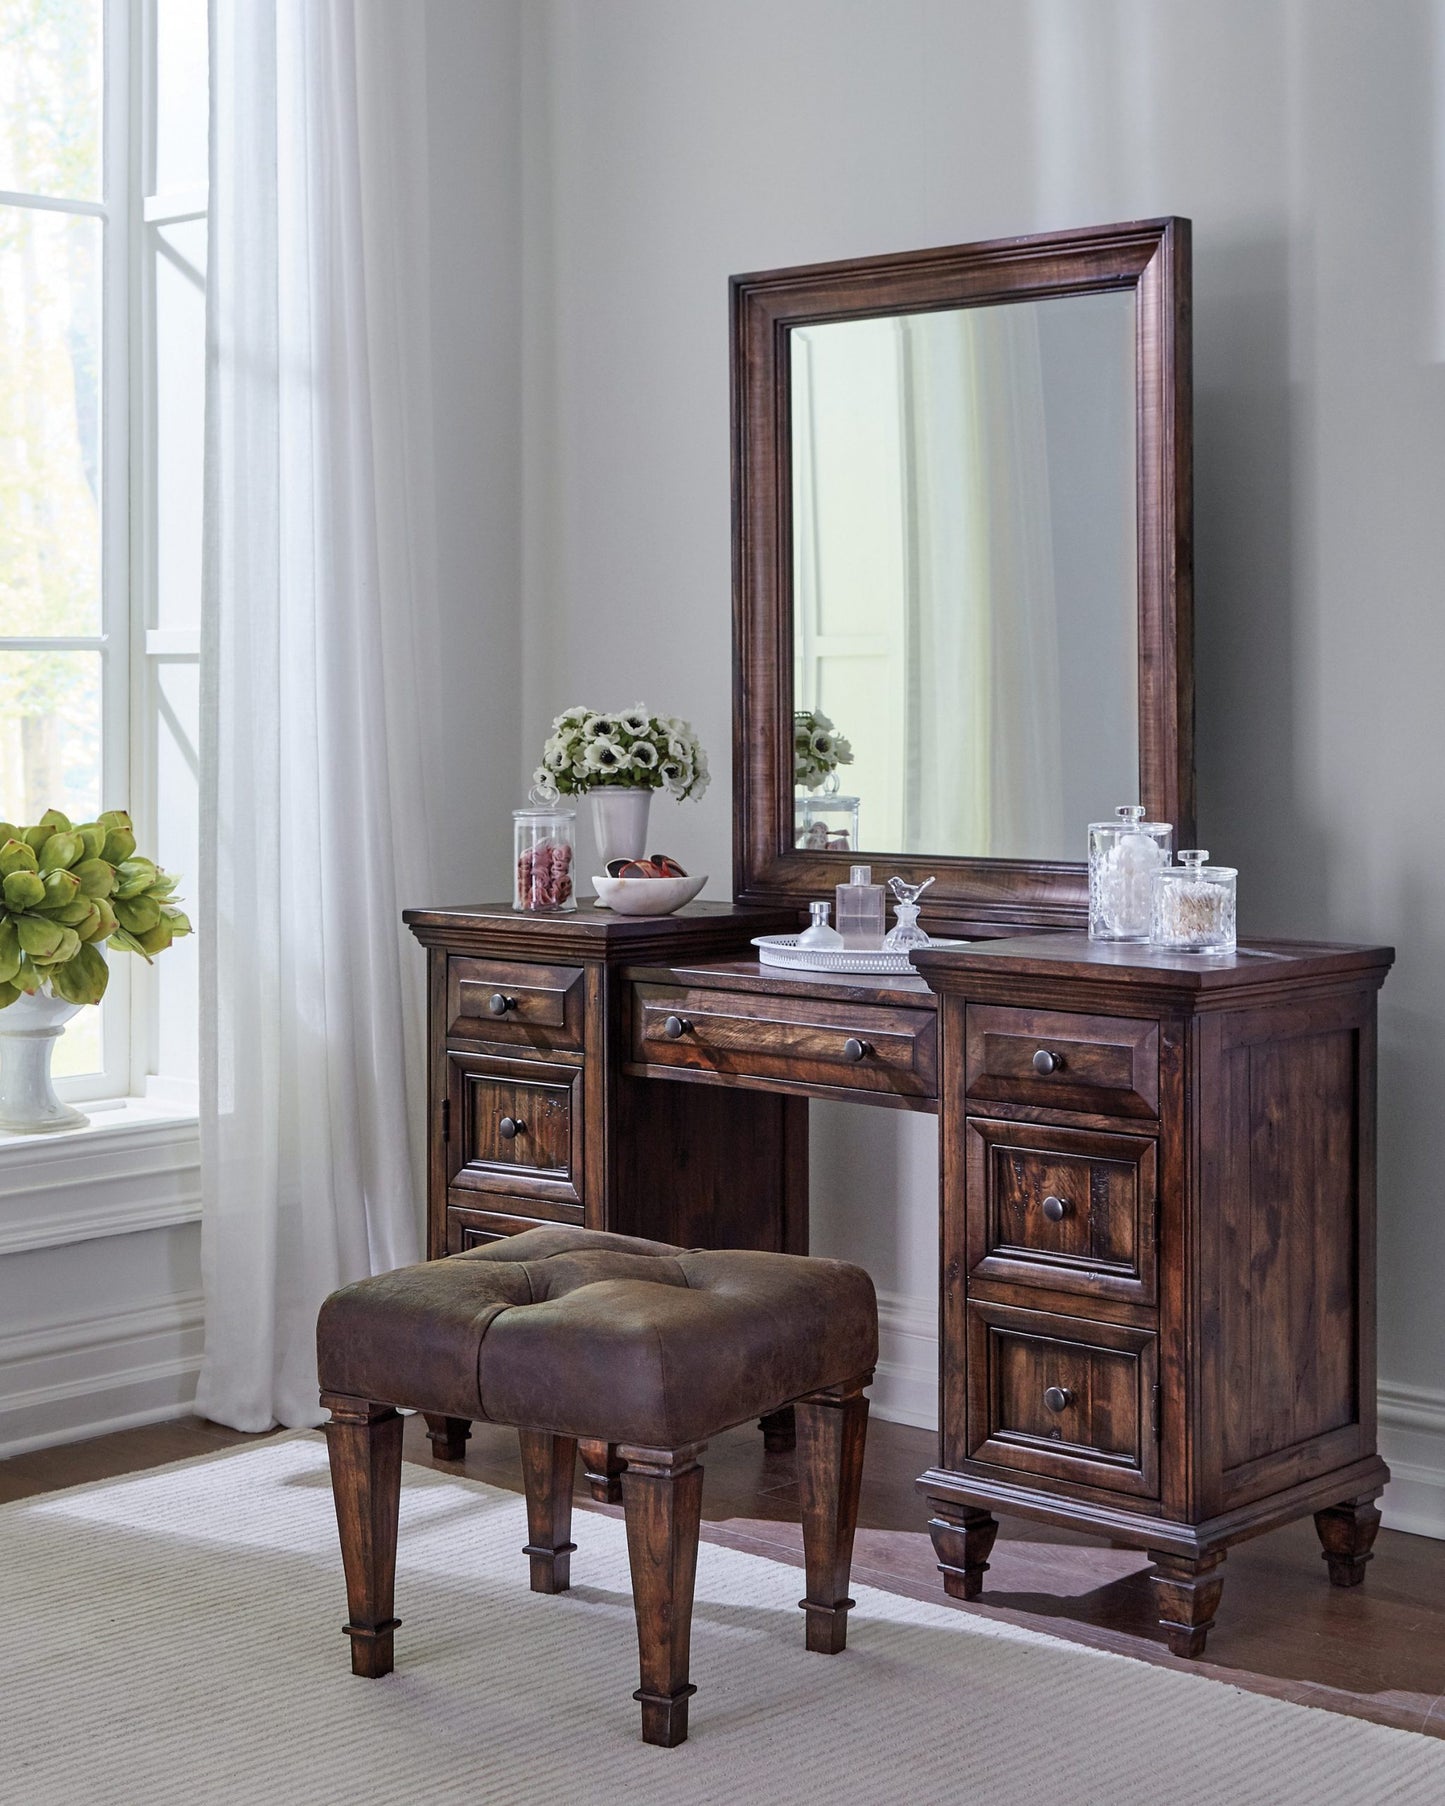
(1065,955)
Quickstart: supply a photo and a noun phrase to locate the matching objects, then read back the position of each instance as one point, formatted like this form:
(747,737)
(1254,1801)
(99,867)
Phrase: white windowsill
(134,1166)
(134,1118)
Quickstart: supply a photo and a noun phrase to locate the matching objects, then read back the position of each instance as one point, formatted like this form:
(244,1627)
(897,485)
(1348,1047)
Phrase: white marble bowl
(646,896)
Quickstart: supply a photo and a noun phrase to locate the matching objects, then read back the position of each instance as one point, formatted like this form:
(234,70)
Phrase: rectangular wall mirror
(961,493)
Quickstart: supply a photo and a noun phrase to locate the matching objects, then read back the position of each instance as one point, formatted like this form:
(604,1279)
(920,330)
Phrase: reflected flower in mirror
(818,748)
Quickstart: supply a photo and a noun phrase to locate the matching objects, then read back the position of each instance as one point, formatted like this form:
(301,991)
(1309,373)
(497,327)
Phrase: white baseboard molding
(905,1384)
(67,1381)
(1412,1440)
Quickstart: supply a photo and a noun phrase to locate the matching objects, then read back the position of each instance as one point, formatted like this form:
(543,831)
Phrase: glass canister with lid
(544,842)
(1194,905)
(1124,855)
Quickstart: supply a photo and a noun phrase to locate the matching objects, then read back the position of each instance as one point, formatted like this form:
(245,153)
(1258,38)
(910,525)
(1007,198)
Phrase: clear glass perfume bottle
(907,934)
(860,910)
(819,932)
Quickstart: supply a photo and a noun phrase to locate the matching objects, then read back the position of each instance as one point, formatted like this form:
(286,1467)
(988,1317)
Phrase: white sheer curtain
(321,651)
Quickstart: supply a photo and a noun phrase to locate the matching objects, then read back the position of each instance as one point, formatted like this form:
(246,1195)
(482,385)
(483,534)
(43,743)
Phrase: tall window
(102,260)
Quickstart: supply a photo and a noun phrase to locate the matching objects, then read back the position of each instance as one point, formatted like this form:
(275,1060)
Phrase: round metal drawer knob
(675,1027)
(499,1003)
(1046,1062)
(854,1049)
(510,1127)
(1057,1398)
(1056,1209)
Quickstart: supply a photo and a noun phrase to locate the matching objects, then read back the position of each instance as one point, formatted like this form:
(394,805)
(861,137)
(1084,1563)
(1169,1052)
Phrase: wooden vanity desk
(1156,1192)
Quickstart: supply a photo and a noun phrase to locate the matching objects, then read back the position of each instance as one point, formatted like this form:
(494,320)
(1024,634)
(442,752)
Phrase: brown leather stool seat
(574,1334)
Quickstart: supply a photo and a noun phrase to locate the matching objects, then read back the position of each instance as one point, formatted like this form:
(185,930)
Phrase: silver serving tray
(783,950)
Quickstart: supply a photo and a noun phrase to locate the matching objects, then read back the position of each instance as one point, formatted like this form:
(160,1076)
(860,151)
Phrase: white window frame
(131,647)
(113,210)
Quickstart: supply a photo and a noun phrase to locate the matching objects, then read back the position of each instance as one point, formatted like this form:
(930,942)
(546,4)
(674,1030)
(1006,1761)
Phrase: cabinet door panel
(513,1126)
(1071,1209)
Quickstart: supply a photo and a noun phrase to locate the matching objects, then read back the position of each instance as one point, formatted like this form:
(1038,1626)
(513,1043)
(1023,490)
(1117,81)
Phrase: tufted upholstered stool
(572,1333)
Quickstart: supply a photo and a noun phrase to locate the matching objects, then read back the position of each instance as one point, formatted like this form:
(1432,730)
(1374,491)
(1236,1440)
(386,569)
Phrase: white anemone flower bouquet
(628,749)
(818,748)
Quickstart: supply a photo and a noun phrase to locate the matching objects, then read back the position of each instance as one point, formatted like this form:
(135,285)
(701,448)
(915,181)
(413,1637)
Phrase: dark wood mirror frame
(971,896)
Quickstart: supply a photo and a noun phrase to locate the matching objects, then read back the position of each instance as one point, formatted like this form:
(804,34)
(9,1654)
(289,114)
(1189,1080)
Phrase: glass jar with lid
(544,841)
(1194,905)
(1124,855)
(826,822)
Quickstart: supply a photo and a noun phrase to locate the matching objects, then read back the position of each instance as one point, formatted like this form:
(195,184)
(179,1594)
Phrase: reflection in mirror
(965,591)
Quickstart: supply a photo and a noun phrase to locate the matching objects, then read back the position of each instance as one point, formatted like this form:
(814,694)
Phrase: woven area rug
(175,1637)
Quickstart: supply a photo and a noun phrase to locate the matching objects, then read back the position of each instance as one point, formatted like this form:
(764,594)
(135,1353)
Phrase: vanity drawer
(503,1000)
(1105,1065)
(513,1125)
(1071,1209)
(813,1043)
(468,1227)
(1063,1398)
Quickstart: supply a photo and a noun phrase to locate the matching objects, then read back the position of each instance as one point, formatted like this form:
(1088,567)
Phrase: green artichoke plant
(65,890)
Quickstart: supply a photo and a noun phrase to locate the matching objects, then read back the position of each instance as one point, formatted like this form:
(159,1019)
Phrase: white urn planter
(29,1029)
(619,821)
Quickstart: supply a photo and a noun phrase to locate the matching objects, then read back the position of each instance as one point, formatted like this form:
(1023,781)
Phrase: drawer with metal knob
(817,1045)
(1060,1060)
(1061,1396)
(513,1126)
(1074,1210)
(512,1001)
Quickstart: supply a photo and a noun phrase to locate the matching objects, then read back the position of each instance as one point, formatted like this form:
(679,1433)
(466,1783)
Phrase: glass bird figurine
(907,934)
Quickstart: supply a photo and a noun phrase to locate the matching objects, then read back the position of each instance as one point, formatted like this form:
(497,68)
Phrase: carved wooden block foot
(603,1467)
(1348,1533)
(962,1540)
(832,1430)
(662,1499)
(548,1466)
(779,1430)
(363,1442)
(1186,1594)
(449,1436)
(664,1717)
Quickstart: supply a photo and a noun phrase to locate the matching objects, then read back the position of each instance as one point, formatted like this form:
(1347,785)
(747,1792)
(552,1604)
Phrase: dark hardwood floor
(1377,1651)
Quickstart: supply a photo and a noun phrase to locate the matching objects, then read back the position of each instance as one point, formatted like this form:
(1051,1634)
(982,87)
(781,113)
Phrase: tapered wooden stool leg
(449,1436)
(832,1429)
(662,1501)
(1186,1592)
(363,1440)
(1348,1532)
(603,1467)
(962,1540)
(548,1465)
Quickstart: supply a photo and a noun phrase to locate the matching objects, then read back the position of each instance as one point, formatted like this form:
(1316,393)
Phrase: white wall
(669,143)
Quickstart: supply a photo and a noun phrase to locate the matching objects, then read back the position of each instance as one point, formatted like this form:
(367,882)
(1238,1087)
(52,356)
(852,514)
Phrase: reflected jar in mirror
(1194,905)
(1124,856)
(825,824)
(544,840)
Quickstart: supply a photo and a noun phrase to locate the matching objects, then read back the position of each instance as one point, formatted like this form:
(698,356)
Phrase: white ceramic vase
(619,822)
(29,1029)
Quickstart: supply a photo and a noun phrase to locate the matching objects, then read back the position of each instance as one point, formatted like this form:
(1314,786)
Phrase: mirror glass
(965,592)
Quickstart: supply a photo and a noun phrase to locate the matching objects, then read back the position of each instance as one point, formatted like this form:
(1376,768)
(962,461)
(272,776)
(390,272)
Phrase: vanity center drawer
(1062,1060)
(735,1036)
